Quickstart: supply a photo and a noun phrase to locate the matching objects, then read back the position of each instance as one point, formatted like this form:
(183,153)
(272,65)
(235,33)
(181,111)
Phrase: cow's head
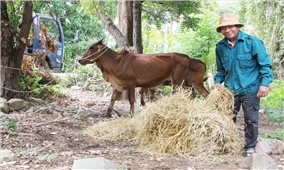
(92,53)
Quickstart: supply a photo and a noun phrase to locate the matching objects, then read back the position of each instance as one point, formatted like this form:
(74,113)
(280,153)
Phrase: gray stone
(17,104)
(262,161)
(265,146)
(244,162)
(279,148)
(94,163)
(37,100)
(5,154)
(270,146)
(75,87)
(4,105)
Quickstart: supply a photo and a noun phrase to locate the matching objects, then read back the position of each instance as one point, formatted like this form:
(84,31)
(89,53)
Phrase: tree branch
(113,30)
(24,32)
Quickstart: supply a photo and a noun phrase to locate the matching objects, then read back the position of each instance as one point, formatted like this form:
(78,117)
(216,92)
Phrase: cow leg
(151,94)
(192,95)
(131,98)
(115,96)
(142,91)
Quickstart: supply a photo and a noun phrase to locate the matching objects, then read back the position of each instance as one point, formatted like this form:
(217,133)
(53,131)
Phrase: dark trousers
(250,105)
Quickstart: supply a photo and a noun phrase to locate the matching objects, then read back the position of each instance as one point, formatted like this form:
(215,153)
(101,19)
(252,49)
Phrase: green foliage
(160,12)
(11,124)
(81,75)
(46,157)
(174,37)
(94,87)
(108,7)
(265,19)
(276,114)
(87,71)
(73,51)
(15,12)
(73,17)
(274,105)
(31,83)
(229,7)
(37,153)
(164,90)
(156,40)
(218,159)
(279,134)
(276,96)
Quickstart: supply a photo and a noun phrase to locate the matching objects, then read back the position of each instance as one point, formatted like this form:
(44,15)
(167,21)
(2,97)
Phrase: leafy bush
(81,75)
(71,51)
(11,124)
(31,83)
(279,134)
(273,103)
(163,90)
(276,96)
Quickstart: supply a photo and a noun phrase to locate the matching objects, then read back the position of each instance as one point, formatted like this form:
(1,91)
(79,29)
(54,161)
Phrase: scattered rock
(37,100)
(17,104)
(264,146)
(5,154)
(262,161)
(94,163)
(29,110)
(91,103)
(75,87)
(244,162)
(270,146)
(279,148)
(67,153)
(4,105)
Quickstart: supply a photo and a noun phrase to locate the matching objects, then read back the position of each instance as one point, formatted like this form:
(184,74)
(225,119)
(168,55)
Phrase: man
(245,68)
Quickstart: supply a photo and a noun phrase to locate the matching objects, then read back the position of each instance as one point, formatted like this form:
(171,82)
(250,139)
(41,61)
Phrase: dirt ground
(50,137)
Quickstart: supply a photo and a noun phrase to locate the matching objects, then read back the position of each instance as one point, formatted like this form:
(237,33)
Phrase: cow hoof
(131,115)
(115,116)
(117,113)
(107,114)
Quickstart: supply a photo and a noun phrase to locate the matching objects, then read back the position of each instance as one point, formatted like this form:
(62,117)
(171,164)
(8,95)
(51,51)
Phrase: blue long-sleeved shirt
(244,67)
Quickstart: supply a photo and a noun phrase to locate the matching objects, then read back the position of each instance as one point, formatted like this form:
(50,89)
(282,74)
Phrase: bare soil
(50,137)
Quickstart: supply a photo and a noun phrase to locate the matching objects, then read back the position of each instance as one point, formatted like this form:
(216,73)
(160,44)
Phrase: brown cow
(126,70)
(195,79)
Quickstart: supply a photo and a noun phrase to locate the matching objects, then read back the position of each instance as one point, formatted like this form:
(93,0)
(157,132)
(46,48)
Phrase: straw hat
(229,19)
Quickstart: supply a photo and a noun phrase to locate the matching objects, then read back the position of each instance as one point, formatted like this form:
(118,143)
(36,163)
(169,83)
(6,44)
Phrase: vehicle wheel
(46,67)
(62,68)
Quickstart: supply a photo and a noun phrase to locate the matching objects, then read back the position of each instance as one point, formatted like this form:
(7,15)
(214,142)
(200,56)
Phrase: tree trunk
(114,31)
(12,54)
(125,19)
(137,28)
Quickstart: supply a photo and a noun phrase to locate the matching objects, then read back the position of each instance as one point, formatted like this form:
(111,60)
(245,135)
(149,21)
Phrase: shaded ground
(50,137)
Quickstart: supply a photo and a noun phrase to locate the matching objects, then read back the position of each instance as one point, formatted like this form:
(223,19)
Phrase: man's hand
(262,91)
(217,86)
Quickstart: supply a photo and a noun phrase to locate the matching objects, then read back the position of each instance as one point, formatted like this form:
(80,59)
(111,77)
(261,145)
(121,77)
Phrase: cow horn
(101,41)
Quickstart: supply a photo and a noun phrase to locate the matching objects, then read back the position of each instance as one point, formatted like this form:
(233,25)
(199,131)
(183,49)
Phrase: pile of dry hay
(178,125)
